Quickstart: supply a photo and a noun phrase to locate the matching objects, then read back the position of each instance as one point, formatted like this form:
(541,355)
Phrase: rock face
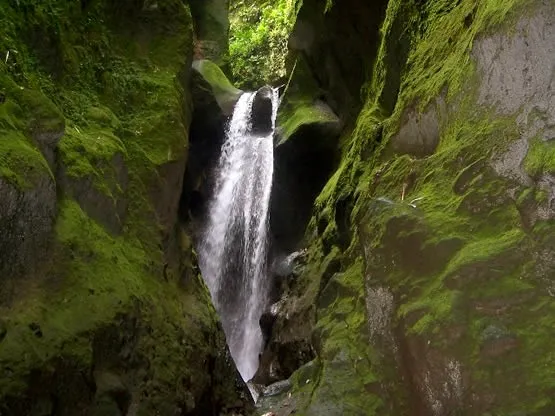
(214,98)
(427,287)
(102,308)
(338,47)
(211,29)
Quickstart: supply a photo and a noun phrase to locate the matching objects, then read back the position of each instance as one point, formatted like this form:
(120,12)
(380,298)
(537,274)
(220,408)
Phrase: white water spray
(234,248)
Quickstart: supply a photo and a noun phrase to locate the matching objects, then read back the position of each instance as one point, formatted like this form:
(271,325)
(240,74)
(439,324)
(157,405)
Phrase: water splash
(234,248)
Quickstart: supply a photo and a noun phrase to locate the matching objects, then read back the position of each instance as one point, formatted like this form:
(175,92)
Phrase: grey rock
(420,131)
(278,388)
(27,218)
(517,69)
(518,79)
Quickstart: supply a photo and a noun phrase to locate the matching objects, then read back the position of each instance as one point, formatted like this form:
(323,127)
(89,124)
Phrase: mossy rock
(297,115)
(436,284)
(215,85)
(119,295)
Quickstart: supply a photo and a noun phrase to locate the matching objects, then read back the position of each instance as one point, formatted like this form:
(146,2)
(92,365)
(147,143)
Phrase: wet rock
(277,388)
(338,45)
(419,132)
(112,397)
(212,28)
(291,264)
(262,109)
(266,324)
(281,358)
(496,341)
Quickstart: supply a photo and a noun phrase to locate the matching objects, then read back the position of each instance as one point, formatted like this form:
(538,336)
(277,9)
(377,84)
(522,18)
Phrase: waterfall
(233,250)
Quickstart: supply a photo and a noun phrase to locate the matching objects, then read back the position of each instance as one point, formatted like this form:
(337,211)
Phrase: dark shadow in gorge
(302,166)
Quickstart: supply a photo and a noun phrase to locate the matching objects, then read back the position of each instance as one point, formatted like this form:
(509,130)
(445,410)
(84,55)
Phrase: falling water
(234,248)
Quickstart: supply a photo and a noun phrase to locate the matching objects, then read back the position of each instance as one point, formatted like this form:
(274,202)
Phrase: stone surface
(517,72)
(108,207)
(419,133)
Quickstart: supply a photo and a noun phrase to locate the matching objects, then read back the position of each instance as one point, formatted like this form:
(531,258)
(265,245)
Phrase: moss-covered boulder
(102,307)
(212,84)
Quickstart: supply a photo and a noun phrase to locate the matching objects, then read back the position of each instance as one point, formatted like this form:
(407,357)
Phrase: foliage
(258,40)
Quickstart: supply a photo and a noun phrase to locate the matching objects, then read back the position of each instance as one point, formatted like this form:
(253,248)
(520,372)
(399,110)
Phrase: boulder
(211,85)
(262,112)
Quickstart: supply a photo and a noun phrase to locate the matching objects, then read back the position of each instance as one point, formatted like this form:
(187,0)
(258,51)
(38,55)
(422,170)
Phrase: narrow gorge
(276,208)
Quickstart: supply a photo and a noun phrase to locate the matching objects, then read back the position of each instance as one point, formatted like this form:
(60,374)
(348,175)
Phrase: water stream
(233,251)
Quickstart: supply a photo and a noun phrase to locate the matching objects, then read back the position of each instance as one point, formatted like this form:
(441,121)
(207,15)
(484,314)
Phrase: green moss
(24,114)
(102,116)
(99,277)
(302,114)
(118,75)
(221,87)
(441,232)
(21,163)
(441,57)
(214,76)
(298,106)
(347,372)
(485,248)
(83,150)
(101,280)
(437,299)
(540,158)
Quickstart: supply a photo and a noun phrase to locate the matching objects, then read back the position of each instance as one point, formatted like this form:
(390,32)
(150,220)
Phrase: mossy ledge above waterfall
(102,309)
(427,281)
